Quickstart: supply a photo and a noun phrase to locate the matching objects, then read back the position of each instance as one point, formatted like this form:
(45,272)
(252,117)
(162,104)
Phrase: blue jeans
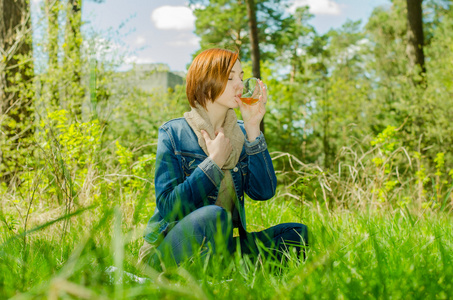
(211,226)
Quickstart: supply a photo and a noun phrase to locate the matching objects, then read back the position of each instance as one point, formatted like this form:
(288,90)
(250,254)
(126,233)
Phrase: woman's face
(233,89)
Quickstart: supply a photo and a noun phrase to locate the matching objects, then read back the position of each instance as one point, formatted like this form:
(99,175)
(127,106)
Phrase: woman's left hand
(253,114)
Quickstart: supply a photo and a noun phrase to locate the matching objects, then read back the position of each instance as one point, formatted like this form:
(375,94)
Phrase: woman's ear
(209,97)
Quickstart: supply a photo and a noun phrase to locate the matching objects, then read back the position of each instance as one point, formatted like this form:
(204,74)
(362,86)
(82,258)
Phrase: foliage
(229,29)
(16,110)
(70,149)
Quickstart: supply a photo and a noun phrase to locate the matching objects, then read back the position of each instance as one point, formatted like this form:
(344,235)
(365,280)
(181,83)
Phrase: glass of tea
(252,91)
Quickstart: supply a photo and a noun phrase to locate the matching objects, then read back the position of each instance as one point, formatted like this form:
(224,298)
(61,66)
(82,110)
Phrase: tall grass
(353,254)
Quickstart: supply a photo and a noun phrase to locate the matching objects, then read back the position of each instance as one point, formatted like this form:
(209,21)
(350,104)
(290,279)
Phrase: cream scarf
(198,120)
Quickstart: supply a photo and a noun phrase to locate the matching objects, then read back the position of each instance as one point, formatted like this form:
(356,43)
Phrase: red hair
(208,75)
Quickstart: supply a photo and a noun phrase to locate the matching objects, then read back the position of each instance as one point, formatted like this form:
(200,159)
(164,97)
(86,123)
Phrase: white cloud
(318,7)
(173,17)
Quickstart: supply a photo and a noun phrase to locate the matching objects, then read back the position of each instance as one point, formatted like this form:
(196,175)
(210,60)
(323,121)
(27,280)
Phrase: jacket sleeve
(175,196)
(260,182)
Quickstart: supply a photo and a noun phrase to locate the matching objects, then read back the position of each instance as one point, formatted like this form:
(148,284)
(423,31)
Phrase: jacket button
(235,169)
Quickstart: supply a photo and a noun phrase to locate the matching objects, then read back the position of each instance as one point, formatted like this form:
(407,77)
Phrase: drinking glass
(252,91)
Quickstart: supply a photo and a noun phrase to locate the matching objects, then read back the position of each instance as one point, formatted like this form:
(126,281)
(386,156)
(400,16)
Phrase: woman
(205,162)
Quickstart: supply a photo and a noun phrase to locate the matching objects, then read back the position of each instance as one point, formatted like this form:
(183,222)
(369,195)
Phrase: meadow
(353,254)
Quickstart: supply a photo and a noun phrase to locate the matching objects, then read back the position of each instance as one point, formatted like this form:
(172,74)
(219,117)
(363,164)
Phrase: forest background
(359,130)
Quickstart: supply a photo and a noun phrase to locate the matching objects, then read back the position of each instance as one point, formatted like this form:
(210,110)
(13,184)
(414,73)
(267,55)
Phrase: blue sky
(161,31)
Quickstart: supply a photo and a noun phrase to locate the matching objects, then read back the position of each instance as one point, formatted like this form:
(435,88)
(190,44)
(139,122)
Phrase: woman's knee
(212,214)
(212,219)
(215,224)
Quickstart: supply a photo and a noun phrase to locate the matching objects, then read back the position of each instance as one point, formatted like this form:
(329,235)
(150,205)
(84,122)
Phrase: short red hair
(208,75)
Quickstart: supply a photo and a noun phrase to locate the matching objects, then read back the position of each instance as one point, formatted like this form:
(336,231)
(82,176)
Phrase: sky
(161,31)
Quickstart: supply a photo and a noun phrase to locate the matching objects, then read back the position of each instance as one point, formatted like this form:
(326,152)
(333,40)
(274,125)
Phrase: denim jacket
(187,179)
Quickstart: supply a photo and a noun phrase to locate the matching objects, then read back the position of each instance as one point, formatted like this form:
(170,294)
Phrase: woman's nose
(240,85)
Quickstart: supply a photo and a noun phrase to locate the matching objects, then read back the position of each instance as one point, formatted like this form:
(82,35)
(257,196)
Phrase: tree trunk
(415,40)
(255,47)
(15,29)
(16,72)
(72,59)
(292,75)
(52,9)
(325,141)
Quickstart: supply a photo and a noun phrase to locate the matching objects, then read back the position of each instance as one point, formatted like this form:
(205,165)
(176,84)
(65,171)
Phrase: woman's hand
(253,114)
(219,149)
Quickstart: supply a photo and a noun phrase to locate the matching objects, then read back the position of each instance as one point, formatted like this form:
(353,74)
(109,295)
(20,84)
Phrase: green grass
(353,254)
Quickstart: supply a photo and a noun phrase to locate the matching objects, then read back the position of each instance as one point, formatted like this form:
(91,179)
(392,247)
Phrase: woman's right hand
(253,114)
(219,149)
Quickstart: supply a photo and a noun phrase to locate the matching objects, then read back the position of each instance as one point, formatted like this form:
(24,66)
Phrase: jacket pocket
(190,162)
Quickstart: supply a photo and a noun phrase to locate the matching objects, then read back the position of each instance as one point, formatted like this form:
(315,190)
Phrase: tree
(415,38)
(16,72)
(254,43)
(295,40)
(63,80)
(52,9)
(225,23)
(424,110)
(74,91)
(229,27)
